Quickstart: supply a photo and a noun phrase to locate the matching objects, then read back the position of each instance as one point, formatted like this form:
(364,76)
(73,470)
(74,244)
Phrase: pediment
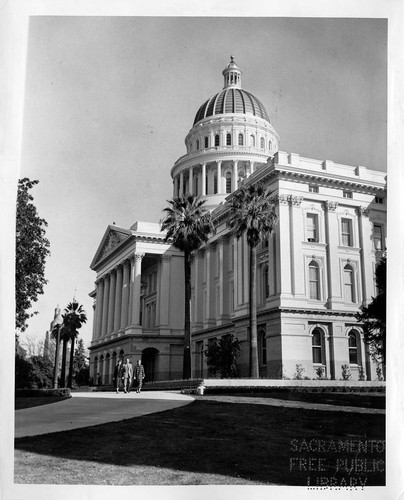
(113,237)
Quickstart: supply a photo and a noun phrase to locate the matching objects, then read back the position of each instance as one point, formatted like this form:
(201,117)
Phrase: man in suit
(127,376)
(139,375)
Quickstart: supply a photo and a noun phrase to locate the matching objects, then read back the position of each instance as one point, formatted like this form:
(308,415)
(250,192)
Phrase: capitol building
(314,272)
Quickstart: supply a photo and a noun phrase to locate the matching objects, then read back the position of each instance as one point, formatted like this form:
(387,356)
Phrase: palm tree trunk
(63,371)
(70,377)
(187,368)
(56,372)
(254,371)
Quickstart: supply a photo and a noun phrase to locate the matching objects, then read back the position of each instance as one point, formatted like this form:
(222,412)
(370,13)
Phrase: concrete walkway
(92,408)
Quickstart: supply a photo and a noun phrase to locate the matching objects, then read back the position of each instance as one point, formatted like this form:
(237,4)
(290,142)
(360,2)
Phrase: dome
(232,98)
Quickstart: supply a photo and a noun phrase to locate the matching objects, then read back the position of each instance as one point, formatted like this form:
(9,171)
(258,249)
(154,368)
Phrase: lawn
(211,442)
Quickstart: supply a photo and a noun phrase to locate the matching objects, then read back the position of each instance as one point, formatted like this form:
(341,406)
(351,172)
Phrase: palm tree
(73,319)
(188,226)
(253,213)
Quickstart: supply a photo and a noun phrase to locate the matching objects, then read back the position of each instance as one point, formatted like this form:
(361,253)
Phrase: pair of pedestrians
(125,373)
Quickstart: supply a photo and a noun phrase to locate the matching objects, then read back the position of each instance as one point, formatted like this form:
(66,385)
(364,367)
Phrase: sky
(109,101)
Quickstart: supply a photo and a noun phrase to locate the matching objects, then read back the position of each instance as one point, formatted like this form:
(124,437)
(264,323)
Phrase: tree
(33,373)
(222,356)
(373,317)
(252,214)
(73,320)
(32,249)
(188,226)
(81,370)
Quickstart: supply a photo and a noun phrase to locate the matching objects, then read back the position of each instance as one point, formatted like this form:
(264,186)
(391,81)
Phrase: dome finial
(232,75)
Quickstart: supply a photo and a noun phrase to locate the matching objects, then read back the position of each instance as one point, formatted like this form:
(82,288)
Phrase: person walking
(118,376)
(127,376)
(139,375)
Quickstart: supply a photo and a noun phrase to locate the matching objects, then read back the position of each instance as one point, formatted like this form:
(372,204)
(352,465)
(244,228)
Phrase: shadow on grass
(253,442)
(22,403)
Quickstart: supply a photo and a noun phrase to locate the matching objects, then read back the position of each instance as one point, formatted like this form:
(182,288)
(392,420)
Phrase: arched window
(240,139)
(217,140)
(228,182)
(353,347)
(317,346)
(314,280)
(197,144)
(228,139)
(215,183)
(262,345)
(252,141)
(349,289)
(270,144)
(262,143)
(206,142)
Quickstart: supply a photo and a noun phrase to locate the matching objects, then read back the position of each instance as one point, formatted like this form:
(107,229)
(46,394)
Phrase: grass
(205,442)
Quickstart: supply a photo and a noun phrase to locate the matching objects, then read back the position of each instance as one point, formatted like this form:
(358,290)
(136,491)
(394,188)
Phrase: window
(378,237)
(197,144)
(228,182)
(252,141)
(353,347)
(317,346)
(262,143)
(346,230)
(240,139)
(262,343)
(349,291)
(379,200)
(215,183)
(314,280)
(347,194)
(206,142)
(313,189)
(312,227)
(228,139)
(270,144)
(217,140)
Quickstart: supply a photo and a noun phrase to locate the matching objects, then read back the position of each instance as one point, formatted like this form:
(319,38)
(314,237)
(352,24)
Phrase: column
(235,175)
(118,299)
(164,292)
(283,247)
(135,283)
(208,283)
(252,166)
(222,281)
(366,255)
(111,369)
(219,177)
(98,307)
(246,269)
(111,302)
(297,232)
(203,179)
(94,335)
(125,295)
(105,306)
(191,181)
(333,264)
(181,183)
(235,272)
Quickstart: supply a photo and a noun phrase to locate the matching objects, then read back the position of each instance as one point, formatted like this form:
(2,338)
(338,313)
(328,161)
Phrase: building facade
(314,272)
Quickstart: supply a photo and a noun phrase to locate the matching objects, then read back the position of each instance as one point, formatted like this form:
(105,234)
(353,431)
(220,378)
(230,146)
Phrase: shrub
(320,372)
(346,372)
(222,356)
(361,373)
(299,372)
